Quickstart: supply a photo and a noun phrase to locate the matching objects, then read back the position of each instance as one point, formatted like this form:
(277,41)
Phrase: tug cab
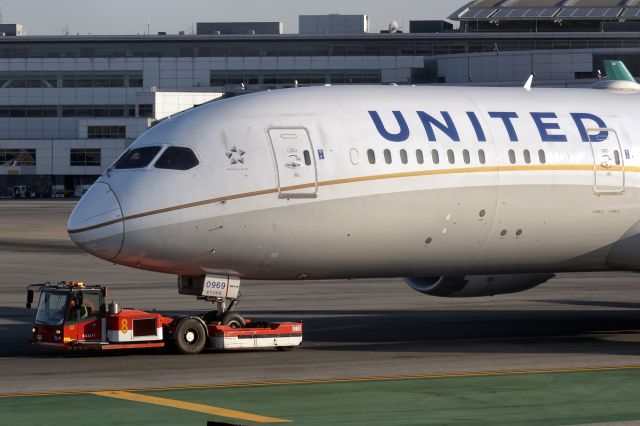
(74,315)
(69,312)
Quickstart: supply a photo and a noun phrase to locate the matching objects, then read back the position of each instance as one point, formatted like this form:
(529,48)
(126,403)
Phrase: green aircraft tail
(616,70)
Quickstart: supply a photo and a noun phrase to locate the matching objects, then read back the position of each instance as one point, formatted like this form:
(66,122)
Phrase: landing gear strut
(223,313)
(222,290)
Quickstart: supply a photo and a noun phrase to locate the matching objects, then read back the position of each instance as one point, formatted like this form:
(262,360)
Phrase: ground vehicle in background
(57,191)
(22,191)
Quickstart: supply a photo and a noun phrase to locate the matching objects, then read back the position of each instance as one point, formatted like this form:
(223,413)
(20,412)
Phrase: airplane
(463,191)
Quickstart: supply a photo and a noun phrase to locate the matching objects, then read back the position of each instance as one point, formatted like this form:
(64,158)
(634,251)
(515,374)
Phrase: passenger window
(419,156)
(371,155)
(512,156)
(177,158)
(435,156)
(481,156)
(542,157)
(138,158)
(307,157)
(451,156)
(466,157)
(616,154)
(387,156)
(354,156)
(527,156)
(403,156)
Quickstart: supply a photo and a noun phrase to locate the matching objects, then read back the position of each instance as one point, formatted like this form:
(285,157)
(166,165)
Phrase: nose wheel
(223,314)
(221,290)
(233,320)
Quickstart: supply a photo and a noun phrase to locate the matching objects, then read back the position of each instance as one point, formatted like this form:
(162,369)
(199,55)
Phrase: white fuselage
(464,181)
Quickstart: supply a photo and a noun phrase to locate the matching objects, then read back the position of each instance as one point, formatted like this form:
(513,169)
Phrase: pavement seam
(337,380)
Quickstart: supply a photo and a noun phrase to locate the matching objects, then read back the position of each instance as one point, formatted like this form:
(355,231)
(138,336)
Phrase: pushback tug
(73,316)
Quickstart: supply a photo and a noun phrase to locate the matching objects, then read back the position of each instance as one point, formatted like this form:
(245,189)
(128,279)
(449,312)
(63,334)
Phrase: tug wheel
(190,336)
(233,320)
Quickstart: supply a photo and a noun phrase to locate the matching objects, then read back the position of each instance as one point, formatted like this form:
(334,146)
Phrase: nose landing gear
(223,315)
(222,290)
(233,320)
(224,328)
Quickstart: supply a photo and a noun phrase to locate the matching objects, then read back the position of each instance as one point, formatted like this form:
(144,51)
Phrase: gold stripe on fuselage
(433,172)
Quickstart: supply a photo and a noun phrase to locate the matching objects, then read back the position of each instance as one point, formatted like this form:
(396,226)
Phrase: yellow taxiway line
(339,380)
(189,406)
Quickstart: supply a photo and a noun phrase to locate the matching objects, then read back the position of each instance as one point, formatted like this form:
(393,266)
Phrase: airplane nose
(96,224)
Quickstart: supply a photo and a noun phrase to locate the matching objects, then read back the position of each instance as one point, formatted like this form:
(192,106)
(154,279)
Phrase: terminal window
(292,77)
(17,157)
(25,80)
(94,110)
(104,79)
(84,157)
(38,79)
(28,111)
(145,110)
(74,111)
(106,132)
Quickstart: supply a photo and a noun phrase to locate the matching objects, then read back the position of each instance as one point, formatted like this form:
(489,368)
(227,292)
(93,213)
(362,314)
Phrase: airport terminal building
(70,104)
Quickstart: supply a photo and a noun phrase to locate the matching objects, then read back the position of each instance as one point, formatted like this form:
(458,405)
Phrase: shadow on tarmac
(597,303)
(40,246)
(549,331)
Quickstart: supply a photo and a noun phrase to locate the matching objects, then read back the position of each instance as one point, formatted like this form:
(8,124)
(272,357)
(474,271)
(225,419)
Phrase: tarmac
(374,351)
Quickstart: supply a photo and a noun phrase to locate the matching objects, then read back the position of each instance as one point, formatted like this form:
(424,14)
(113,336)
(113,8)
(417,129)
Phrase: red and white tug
(72,316)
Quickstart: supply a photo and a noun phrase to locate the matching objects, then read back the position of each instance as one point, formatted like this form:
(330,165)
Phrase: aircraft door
(608,161)
(295,162)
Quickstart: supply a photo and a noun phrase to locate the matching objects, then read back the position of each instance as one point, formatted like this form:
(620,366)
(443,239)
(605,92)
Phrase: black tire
(284,348)
(190,336)
(210,317)
(233,320)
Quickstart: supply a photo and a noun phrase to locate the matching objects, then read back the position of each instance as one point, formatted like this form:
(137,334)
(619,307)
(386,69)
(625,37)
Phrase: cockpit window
(177,158)
(138,158)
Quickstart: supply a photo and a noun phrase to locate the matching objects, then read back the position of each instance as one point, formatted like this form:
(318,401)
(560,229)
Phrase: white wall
(169,103)
(513,66)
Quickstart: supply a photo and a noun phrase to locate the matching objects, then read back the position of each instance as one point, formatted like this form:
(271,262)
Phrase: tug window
(387,156)
(451,156)
(527,156)
(481,156)
(616,154)
(542,157)
(177,158)
(466,157)
(307,157)
(419,156)
(435,156)
(371,155)
(512,156)
(138,158)
(404,158)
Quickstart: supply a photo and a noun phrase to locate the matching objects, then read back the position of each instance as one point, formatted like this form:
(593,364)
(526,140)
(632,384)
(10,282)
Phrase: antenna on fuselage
(529,83)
